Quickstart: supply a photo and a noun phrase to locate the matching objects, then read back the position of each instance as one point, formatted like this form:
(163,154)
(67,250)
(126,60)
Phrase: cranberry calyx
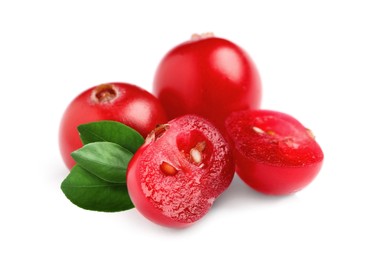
(196,36)
(105,93)
(157,133)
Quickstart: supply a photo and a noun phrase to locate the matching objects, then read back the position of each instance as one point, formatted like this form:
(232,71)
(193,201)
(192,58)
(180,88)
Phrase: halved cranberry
(174,178)
(274,152)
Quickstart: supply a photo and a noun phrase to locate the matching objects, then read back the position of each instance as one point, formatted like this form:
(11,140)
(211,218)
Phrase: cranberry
(175,177)
(120,102)
(274,152)
(208,76)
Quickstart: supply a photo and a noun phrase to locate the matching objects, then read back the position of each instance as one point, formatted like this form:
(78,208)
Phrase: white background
(314,60)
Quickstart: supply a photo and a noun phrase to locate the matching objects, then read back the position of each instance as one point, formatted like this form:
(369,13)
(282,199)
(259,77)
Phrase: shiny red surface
(132,106)
(210,77)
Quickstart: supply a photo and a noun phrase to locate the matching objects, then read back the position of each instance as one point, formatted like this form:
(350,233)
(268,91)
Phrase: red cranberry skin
(274,153)
(208,76)
(122,102)
(174,185)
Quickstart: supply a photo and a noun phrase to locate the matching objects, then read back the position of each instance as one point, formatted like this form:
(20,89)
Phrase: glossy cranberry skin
(208,76)
(175,177)
(274,153)
(117,101)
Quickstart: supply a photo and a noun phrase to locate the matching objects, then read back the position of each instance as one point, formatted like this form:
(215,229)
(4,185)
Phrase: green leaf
(106,160)
(111,131)
(90,192)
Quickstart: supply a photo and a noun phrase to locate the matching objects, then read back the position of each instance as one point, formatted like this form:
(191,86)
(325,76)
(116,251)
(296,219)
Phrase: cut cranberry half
(274,152)
(174,178)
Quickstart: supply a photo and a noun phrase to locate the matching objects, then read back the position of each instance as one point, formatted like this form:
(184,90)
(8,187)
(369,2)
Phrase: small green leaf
(90,192)
(111,131)
(106,160)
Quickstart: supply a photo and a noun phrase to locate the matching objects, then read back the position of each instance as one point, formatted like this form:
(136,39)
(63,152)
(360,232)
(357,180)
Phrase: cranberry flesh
(120,102)
(274,153)
(183,166)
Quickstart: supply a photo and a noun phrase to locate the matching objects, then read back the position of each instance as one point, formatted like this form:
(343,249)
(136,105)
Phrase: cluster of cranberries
(210,90)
